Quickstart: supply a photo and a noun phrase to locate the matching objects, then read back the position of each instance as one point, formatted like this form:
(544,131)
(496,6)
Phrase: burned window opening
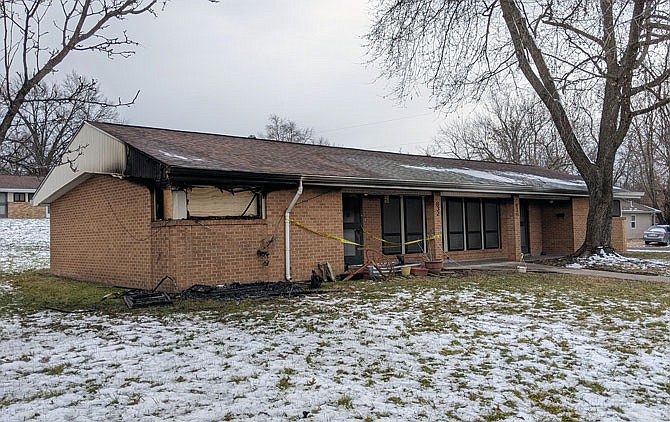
(223,202)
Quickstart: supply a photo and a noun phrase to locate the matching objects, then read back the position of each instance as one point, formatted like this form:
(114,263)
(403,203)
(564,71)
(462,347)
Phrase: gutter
(287,231)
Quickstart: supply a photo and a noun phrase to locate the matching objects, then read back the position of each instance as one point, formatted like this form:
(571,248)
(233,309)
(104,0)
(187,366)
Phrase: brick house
(16,193)
(141,203)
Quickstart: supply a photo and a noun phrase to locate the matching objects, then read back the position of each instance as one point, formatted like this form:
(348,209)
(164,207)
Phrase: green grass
(37,291)
(659,256)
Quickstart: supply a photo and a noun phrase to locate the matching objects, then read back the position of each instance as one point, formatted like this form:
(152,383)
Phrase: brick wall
(557,228)
(100,231)
(225,251)
(372,221)
(580,213)
(25,210)
(434,224)
(619,234)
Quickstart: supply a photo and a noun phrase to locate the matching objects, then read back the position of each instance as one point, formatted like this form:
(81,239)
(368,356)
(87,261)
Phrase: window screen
(473,223)
(391,229)
(455,234)
(414,224)
(491,225)
(3,204)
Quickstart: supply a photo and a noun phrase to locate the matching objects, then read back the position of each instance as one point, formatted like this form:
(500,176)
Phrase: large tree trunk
(599,220)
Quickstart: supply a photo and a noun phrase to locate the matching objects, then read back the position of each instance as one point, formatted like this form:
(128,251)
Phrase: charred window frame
(229,203)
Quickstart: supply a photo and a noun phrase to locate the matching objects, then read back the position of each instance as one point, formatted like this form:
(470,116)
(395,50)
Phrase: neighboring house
(16,194)
(140,203)
(638,218)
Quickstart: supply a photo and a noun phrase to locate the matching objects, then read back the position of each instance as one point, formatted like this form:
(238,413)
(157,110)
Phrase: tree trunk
(599,219)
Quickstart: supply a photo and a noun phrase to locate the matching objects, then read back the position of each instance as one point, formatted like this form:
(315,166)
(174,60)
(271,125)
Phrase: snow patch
(506,177)
(616,262)
(179,157)
(24,244)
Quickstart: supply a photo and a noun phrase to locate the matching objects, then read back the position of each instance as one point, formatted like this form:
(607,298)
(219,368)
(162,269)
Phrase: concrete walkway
(539,268)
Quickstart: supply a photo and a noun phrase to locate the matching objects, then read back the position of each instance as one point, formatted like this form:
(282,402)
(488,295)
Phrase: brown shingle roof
(192,150)
(19,182)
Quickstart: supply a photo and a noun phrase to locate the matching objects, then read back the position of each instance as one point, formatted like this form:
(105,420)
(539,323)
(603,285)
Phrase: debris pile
(238,291)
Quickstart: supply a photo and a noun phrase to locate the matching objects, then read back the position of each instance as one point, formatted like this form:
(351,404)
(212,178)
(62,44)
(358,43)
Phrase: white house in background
(638,218)
(16,194)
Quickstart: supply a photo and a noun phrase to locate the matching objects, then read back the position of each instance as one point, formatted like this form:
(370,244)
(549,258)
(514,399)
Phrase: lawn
(472,347)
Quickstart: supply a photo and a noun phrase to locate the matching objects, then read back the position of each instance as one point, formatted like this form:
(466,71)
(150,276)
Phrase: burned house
(138,203)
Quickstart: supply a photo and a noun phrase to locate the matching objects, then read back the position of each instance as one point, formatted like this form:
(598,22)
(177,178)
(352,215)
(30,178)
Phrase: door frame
(524,226)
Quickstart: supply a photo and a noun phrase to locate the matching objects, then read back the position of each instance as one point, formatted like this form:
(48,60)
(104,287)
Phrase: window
(615,211)
(455,238)
(414,224)
(391,226)
(491,224)
(19,197)
(30,196)
(471,224)
(632,221)
(3,204)
(403,220)
(212,202)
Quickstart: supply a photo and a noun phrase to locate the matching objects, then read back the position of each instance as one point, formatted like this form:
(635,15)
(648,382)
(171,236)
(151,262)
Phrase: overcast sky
(224,68)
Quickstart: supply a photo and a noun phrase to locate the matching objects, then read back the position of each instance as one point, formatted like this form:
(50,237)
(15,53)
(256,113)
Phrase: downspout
(287,232)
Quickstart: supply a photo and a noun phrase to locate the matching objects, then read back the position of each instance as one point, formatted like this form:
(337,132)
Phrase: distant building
(638,218)
(16,192)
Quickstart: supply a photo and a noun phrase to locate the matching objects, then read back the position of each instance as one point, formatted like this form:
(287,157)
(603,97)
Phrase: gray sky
(226,67)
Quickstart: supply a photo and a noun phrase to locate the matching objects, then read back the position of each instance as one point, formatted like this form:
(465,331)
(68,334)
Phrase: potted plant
(432,263)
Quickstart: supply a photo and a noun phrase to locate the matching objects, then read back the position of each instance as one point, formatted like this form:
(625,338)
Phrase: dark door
(525,228)
(353,230)
(3,204)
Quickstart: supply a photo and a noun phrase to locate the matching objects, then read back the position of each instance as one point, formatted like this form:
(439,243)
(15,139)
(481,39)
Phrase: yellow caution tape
(390,244)
(349,242)
(326,235)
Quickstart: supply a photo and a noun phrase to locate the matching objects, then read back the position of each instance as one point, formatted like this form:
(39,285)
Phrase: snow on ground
(616,262)
(404,354)
(24,244)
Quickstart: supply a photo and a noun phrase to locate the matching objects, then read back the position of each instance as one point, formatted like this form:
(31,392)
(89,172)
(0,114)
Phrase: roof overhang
(17,190)
(183,175)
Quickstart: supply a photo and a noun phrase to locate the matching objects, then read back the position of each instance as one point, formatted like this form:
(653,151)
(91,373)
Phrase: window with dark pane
(414,224)
(473,223)
(491,224)
(455,233)
(391,228)
(19,197)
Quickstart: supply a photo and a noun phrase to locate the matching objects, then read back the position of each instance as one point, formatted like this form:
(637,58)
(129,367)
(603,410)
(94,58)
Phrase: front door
(525,228)
(353,230)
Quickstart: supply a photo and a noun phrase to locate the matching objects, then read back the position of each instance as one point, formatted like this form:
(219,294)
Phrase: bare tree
(49,117)
(510,129)
(587,61)
(285,130)
(39,34)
